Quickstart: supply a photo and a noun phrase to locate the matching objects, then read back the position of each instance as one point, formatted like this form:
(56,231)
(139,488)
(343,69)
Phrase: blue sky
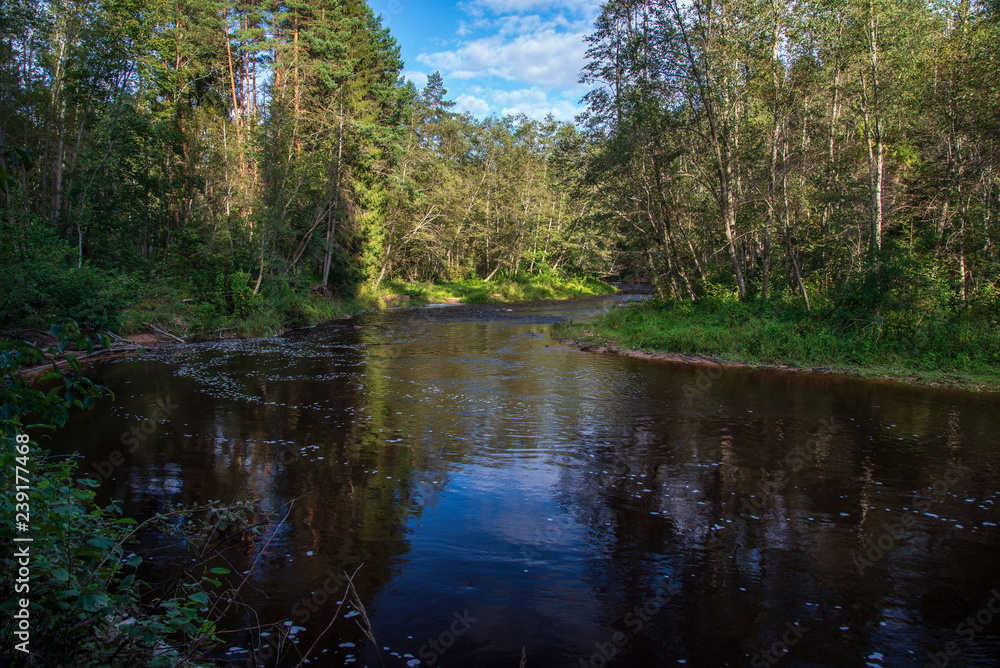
(496,56)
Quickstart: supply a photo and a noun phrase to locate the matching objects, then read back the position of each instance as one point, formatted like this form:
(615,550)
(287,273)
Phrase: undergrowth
(885,342)
(233,310)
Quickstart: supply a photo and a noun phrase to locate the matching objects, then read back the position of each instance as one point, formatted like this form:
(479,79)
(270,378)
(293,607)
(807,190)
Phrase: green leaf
(220,571)
(101,542)
(133,561)
(127,520)
(61,574)
(199,597)
(24,156)
(92,602)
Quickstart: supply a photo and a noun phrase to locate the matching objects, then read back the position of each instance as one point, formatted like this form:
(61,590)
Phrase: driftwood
(167,334)
(118,338)
(31,372)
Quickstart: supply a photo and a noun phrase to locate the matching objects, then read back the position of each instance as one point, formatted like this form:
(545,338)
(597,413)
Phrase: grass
(189,318)
(957,350)
(279,306)
(478,291)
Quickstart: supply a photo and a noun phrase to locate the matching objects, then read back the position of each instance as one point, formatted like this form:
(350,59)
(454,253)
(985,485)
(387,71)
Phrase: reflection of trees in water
(317,442)
(668,496)
(654,481)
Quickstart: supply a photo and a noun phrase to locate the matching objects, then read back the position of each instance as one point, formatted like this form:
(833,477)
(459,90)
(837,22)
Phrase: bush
(85,603)
(40,280)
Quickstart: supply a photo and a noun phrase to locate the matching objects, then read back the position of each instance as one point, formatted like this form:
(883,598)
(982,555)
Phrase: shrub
(85,604)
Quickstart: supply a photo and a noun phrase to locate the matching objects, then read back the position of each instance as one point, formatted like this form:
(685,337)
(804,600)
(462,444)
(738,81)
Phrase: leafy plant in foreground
(87,605)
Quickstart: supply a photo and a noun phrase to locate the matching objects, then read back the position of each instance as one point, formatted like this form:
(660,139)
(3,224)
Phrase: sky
(496,56)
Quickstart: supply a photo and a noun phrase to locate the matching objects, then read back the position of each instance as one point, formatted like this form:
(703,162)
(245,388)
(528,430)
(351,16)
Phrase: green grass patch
(478,291)
(232,310)
(960,348)
(192,316)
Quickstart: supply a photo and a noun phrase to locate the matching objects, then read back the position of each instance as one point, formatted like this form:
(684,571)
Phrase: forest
(254,159)
(824,173)
(243,156)
(804,183)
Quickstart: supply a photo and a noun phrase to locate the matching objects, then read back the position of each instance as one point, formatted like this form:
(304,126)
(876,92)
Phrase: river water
(496,492)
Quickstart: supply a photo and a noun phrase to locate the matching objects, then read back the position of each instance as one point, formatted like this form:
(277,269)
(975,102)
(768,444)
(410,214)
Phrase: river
(497,492)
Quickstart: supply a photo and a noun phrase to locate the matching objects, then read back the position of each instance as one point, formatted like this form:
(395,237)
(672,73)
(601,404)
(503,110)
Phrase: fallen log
(167,334)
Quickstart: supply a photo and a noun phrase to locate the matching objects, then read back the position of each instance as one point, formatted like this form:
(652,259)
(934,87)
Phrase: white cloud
(547,58)
(532,102)
(472,104)
(536,46)
(519,96)
(418,78)
(561,110)
(476,7)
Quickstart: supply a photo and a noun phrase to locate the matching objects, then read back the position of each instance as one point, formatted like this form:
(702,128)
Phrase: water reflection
(502,493)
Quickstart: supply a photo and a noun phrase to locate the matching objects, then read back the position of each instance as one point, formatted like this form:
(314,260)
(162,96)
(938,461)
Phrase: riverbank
(183,319)
(167,315)
(954,355)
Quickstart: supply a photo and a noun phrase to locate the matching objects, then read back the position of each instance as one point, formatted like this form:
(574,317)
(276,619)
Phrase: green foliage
(48,407)
(898,341)
(522,288)
(19,159)
(245,301)
(87,605)
(726,149)
(41,283)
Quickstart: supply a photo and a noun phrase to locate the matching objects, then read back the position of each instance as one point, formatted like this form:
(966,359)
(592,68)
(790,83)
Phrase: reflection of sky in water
(471,463)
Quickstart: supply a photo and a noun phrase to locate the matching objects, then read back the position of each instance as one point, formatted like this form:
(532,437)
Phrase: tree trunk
(332,215)
(772,161)
(793,256)
(232,78)
(873,132)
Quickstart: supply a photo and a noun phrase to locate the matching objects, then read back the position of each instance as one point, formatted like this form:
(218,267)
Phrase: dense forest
(245,152)
(239,154)
(810,183)
(798,144)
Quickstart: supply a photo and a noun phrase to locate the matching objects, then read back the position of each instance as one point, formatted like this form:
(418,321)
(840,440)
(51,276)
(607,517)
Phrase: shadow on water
(501,491)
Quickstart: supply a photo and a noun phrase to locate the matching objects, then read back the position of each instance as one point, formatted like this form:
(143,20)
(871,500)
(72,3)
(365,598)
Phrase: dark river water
(497,492)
